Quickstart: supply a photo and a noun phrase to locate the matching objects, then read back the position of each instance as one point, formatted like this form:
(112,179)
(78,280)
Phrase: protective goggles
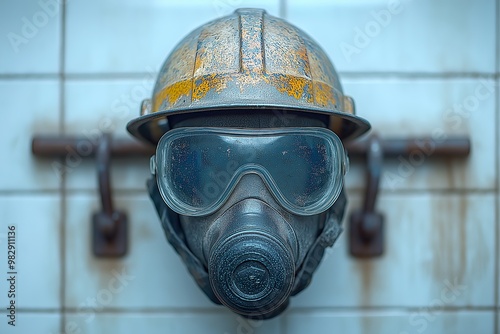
(198,168)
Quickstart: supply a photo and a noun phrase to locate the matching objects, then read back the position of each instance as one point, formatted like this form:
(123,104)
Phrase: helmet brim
(150,128)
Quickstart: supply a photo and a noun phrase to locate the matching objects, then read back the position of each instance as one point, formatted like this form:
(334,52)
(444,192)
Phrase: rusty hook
(366,228)
(103,160)
(109,225)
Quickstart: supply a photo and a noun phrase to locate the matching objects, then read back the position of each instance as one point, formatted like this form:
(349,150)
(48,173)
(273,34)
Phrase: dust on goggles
(198,168)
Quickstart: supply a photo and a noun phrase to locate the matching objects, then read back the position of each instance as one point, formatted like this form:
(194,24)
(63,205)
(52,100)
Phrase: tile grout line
(497,167)
(62,121)
(293,311)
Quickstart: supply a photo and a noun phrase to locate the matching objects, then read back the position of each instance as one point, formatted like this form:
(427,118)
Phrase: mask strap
(173,232)
(327,238)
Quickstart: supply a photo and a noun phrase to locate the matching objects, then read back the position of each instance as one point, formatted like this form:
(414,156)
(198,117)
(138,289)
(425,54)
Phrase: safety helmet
(246,62)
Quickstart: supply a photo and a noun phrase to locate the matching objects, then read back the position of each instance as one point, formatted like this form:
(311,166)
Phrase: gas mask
(248,117)
(250,210)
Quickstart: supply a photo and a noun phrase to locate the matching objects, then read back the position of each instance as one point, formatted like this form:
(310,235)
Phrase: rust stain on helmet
(249,60)
(173,93)
(324,95)
(206,83)
(296,87)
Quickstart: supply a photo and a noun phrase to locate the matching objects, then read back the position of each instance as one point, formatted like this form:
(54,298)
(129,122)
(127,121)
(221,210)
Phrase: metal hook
(366,229)
(109,225)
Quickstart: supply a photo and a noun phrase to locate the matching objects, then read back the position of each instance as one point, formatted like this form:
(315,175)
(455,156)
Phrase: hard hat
(244,63)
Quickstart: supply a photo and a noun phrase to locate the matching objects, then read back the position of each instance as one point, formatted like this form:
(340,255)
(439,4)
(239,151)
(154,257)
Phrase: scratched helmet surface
(247,61)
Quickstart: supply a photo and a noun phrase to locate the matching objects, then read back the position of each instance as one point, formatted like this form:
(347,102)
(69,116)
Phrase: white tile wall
(21,120)
(418,321)
(403,35)
(37,222)
(96,106)
(28,28)
(28,322)
(435,108)
(441,215)
(158,323)
(151,271)
(134,36)
(498,33)
(432,241)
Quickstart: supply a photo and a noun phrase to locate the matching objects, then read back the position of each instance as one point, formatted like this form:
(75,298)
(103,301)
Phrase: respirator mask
(250,211)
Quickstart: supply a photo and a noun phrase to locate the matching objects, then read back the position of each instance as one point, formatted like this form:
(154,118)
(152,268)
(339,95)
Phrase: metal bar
(394,147)
(60,147)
